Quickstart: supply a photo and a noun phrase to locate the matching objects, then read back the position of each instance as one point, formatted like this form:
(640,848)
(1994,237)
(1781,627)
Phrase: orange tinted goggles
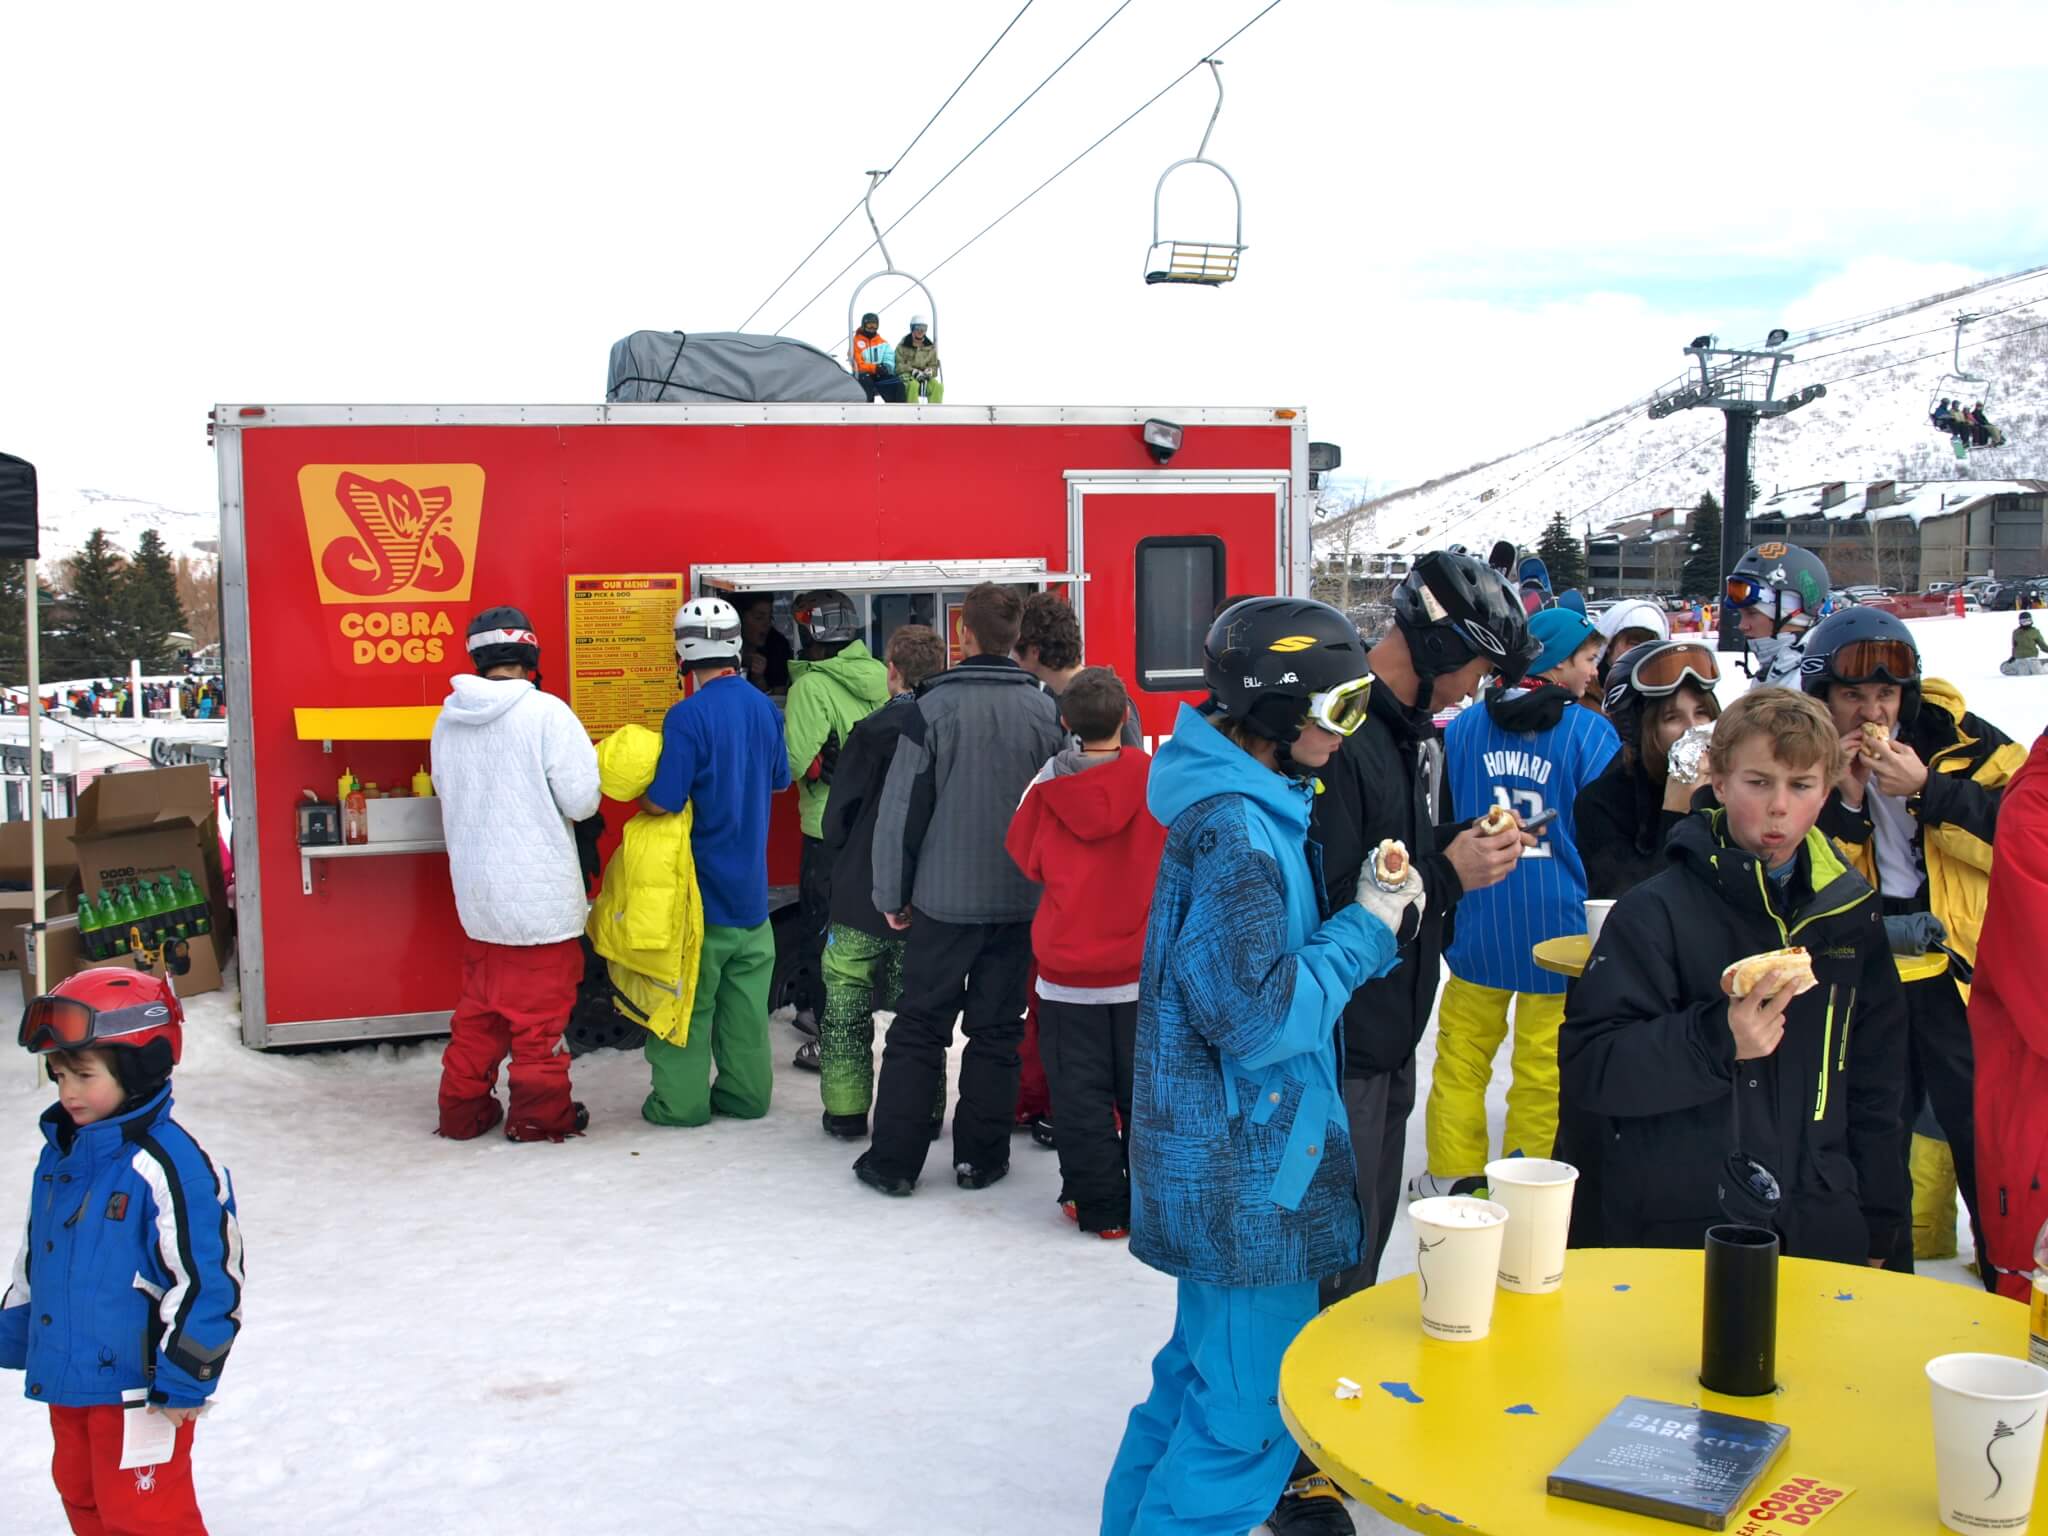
(65,1024)
(1666,668)
(1743,593)
(1866,661)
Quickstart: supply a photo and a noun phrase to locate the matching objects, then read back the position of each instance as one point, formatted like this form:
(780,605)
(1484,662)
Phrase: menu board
(622,654)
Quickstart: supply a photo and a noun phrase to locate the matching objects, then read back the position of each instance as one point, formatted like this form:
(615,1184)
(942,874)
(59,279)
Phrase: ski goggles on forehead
(1341,710)
(1673,664)
(1869,661)
(66,1024)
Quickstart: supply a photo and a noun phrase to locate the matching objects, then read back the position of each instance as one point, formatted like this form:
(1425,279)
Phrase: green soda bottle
(127,917)
(158,894)
(192,900)
(90,938)
(113,942)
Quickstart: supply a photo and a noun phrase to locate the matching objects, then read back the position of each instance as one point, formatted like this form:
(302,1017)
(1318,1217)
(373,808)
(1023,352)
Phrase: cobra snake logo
(2003,1431)
(402,538)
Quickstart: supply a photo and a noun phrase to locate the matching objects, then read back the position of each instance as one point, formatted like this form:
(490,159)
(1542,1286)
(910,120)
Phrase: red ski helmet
(108,1007)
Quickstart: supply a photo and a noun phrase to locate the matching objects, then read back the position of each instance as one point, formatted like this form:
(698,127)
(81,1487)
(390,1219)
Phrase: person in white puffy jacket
(513,768)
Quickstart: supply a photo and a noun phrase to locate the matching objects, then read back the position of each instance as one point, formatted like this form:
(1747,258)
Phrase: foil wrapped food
(1687,760)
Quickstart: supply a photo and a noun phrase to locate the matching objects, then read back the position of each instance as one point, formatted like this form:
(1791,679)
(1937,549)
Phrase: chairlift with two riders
(889,269)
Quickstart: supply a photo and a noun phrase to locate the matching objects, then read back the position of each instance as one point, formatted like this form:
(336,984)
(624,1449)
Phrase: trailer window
(1180,580)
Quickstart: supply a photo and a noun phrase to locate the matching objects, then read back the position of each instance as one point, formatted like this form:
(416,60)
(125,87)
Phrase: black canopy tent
(18,541)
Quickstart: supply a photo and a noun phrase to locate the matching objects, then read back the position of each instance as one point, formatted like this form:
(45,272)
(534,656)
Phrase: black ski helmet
(1451,608)
(1872,639)
(825,617)
(503,637)
(1790,581)
(1623,701)
(1266,657)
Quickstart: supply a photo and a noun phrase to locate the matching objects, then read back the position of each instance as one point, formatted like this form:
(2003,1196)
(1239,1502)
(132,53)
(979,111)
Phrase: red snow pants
(102,1500)
(1034,1096)
(515,1000)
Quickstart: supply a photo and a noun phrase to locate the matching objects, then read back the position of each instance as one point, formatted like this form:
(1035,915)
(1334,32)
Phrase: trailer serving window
(1180,581)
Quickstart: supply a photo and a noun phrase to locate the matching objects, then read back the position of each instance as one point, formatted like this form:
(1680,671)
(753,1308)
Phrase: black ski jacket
(849,824)
(1648,1070)
(1622,825)
(1383,783)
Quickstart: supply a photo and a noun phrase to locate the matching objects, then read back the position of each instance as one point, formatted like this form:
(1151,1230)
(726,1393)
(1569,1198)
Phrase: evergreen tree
(94,634)
(149,592)
(1701,576)
(1562,555)
(13,613)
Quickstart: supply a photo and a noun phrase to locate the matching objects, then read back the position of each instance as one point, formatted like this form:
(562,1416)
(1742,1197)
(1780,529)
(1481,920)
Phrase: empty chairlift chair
(1207,262)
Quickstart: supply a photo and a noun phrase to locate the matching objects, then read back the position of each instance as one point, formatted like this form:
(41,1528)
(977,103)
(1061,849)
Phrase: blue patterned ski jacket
(131,1272)
(1241,1165)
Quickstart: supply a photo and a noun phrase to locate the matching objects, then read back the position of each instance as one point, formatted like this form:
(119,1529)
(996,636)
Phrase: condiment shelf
(359,851)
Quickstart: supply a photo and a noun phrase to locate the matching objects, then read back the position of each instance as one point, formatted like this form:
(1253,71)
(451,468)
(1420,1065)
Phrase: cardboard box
(193,965)
(17,871)
(405,819)
(150,824)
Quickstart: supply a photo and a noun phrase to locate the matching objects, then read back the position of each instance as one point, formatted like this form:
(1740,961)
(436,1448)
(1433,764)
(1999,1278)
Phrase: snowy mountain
(69,516)
(1883,373)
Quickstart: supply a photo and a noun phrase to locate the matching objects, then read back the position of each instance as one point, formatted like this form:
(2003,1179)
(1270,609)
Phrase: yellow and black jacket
(1968,763)
(1648,1068)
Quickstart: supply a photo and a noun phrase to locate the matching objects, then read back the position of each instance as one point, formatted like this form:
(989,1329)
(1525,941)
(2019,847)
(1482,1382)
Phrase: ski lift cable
(1939,330)
(1084,154)
(892,164)
(1466,516)
(1123,6)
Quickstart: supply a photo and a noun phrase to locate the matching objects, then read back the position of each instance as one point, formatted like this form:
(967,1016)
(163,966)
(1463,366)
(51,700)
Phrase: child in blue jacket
(1242,1180)
(127,1294)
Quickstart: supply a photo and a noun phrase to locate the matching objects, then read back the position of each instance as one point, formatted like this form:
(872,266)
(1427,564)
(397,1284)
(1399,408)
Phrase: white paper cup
(1596,914)
(1988,1414)
(1457,1256)
(1537,1195)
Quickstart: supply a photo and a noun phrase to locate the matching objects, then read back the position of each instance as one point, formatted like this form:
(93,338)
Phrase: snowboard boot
(1041,1132)
(1311,1506)
(806,1059)
(470,1118)
(885,1183)
(530,1129)
(970,1177)
(846,1127)
(805,1022)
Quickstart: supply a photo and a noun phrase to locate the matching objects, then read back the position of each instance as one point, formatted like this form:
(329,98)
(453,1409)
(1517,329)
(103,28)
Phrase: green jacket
(827,699)
(2026,643)
(921,360)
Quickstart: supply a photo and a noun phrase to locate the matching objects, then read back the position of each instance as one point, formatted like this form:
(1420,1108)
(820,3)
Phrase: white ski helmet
(917,320)
(707,630)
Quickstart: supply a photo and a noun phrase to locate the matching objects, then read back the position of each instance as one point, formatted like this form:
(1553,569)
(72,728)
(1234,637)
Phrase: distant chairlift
(889,269)
(1957,405)
(1210,263)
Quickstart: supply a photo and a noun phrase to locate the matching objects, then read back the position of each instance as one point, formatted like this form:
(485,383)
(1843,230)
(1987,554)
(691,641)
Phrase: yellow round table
(1568,956)
(1461,1437)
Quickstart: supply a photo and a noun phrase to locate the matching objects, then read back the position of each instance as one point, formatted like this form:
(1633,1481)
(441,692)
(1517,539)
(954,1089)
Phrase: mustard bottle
(343,786)
(423,783)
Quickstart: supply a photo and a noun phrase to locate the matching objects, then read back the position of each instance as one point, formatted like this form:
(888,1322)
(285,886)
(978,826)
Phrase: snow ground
(710,1330)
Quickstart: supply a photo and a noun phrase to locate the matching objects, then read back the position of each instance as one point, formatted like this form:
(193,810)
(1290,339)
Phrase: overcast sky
(1469,224)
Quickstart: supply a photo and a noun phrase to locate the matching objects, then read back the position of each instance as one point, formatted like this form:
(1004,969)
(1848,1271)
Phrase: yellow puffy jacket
(1968,762)
(648,920)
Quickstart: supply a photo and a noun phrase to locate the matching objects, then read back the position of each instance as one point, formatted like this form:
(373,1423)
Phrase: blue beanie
(1560,632)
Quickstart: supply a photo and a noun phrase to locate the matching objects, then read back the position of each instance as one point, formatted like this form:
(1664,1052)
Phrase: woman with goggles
(1655,694)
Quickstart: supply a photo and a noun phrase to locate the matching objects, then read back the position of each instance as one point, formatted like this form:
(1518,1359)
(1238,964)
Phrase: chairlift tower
(1742,385)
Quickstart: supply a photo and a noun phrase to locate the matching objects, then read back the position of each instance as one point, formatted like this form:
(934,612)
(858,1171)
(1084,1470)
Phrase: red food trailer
(357,541)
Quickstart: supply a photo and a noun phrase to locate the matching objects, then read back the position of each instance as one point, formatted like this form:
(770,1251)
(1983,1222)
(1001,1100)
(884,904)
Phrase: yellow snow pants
(1471,1022)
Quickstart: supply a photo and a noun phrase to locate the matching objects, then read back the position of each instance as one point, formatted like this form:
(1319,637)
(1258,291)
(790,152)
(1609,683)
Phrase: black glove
(588,831)
(1914,933)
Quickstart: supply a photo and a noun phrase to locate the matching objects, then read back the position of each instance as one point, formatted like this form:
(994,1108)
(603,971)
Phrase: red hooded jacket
(1087,838)
(2009,1028)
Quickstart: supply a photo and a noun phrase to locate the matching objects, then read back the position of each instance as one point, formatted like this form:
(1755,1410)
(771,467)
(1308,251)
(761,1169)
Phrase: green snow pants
(862,973)
(728,1028)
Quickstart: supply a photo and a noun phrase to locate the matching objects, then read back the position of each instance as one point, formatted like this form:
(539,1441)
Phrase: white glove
(1391,906)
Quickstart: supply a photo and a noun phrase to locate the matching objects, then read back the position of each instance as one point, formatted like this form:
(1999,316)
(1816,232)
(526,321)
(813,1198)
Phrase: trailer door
(1160,552)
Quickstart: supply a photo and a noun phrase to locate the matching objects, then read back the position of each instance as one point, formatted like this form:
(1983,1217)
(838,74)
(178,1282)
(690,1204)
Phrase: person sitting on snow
(917,363)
